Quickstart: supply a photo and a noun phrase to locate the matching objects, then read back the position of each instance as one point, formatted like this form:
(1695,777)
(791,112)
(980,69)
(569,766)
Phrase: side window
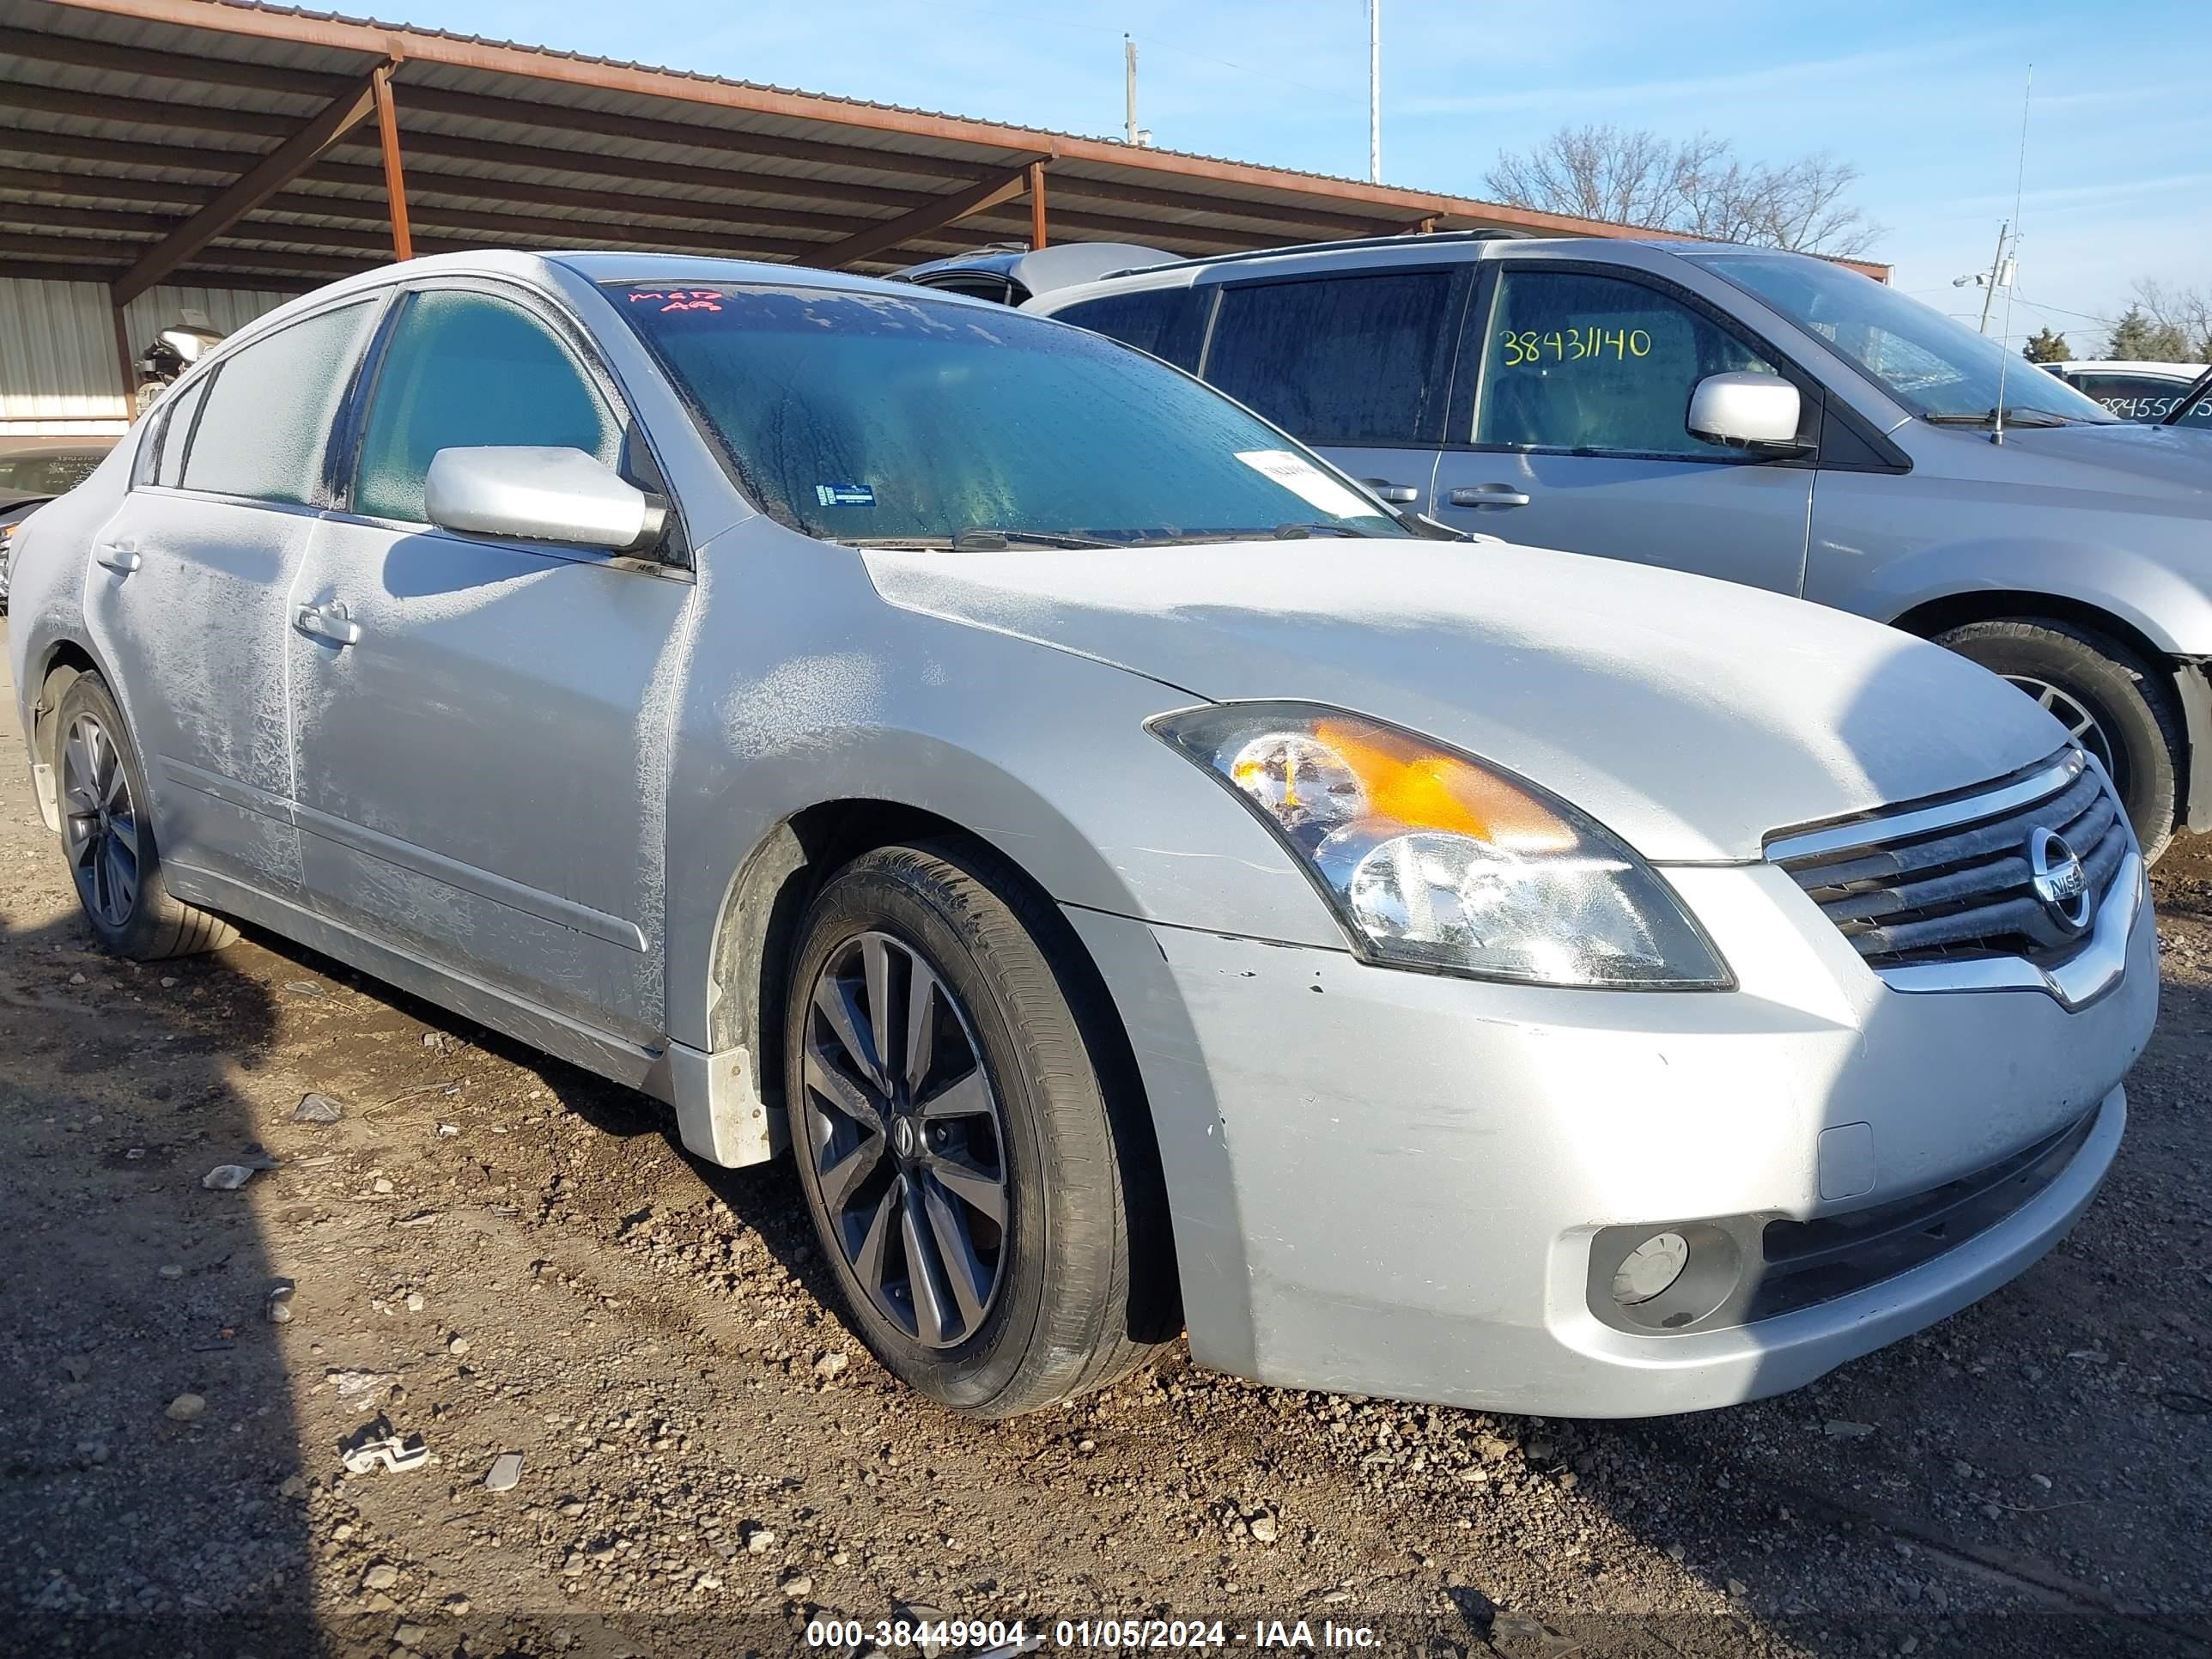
(265,421)
(464,370)
(2146,397)
(1584,362)
(176,433)
(1347,360)
(1167,322)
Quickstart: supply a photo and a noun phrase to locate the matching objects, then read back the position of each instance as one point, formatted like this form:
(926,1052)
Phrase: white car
(2140,392)
(1145,881)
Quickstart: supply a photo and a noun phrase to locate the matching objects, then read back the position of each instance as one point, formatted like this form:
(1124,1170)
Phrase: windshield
(1938,368)
(48,474)
(859,417)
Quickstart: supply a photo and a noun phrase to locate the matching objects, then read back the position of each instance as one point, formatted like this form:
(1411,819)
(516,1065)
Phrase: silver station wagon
(1143,882)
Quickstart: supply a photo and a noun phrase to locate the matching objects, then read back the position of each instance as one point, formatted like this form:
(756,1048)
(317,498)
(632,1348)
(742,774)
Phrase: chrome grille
(1952,878)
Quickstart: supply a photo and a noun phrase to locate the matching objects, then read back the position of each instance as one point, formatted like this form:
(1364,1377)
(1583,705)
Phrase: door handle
(327,621)
(1489,494)
(121,557)
(1396,495)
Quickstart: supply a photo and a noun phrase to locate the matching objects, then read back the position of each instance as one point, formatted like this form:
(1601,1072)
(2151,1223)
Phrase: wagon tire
(107,836)
(960,1124)
(2116,705)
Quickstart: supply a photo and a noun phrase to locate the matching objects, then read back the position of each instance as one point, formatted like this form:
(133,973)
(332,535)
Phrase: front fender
(2170,609)
(1039,753)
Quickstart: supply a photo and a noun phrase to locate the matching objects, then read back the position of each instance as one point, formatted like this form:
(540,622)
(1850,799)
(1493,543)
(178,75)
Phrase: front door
(1355,363)
(475,719)
(1578,436)
(187,599)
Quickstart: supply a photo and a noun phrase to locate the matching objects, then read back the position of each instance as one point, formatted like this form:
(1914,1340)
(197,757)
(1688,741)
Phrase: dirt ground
(501,1254)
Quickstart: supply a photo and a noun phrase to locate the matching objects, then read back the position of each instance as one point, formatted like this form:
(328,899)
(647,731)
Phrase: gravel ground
(500,1254)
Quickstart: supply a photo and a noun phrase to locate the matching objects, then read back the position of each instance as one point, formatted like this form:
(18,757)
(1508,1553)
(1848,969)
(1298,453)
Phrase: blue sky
(1924,97)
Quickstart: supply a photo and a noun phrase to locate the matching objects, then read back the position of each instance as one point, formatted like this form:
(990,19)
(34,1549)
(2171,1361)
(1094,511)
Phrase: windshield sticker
(843,494)
(1307,482)
(678,298)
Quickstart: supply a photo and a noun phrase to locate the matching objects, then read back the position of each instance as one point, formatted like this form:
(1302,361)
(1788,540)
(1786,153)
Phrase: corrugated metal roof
(102,101)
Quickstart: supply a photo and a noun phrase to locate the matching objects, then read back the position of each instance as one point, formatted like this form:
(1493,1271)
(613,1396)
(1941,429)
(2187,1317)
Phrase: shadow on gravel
(765,1197)
(150,1433)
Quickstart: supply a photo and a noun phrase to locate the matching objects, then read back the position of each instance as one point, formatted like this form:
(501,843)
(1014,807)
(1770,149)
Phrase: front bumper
(1388,1183)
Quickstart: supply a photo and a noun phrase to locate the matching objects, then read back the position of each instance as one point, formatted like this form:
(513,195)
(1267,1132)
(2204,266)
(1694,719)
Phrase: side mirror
(1748,411)
(541,495)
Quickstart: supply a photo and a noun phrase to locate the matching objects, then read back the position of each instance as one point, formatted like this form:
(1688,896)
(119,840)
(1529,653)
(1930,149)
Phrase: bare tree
(1698,185)
(2180,316)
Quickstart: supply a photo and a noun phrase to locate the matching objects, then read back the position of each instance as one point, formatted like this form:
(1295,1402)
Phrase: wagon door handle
(327,621)
(1489,494)
(1396,495)
(121,557)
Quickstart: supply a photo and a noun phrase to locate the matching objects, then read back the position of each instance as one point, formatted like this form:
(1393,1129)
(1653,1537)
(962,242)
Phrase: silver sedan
(1143,883)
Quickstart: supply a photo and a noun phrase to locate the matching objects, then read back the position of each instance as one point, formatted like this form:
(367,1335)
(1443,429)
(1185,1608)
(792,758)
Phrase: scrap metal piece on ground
(506,1472)
(395,1452)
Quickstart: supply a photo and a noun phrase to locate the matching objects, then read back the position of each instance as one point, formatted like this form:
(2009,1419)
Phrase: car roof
(1041,270)
(2133,365)
(594,266)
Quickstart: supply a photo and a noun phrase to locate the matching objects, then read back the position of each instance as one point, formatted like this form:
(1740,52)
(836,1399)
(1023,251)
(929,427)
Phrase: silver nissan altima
(1143,883)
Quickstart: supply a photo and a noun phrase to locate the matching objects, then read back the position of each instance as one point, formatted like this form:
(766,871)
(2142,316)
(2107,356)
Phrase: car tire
(1063,1290)
(107,836)
(2080,674)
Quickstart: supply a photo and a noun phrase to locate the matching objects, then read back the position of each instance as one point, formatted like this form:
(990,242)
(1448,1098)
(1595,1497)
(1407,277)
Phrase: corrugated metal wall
(57,367)
(58,353)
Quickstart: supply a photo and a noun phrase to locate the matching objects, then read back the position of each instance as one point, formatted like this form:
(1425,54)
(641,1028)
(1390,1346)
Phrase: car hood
(2170,463)
(1692,717)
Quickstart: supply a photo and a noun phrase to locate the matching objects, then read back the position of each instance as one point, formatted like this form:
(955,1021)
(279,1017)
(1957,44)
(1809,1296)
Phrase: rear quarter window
(1167,322)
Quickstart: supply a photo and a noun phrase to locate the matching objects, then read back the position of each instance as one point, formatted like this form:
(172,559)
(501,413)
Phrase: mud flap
(2189,681)
(719,1114)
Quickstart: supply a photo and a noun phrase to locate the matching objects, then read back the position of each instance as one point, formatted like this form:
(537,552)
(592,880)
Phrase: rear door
(1356,363)
(1572,432)
(469,714)
(186,601)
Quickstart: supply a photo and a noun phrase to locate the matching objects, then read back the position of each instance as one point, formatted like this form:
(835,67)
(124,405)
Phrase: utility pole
(1129,84)
(1996,273)
(1374,92)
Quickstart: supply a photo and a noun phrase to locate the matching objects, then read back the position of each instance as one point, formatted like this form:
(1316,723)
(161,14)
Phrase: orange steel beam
(261,181)
(1034,176)
(395,179)
(881,237)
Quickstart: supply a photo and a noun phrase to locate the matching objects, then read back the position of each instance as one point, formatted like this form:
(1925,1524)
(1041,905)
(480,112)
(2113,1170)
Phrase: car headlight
(1433,860)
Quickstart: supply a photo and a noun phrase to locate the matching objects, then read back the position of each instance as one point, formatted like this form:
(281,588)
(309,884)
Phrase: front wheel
(2105,696)
(108,838)
(954,1140)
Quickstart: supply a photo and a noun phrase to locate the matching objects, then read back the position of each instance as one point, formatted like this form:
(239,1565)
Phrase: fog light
(1651,1268)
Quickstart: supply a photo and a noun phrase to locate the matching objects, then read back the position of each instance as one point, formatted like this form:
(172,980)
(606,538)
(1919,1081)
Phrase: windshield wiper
(985,539)
(2013,416)
(1297,531)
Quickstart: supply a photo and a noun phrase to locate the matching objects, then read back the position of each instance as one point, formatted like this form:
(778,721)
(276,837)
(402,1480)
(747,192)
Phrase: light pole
(1374,92)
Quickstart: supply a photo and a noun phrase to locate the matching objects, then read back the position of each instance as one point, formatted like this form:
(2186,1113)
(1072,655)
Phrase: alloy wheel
(100,831)
(906,1139)
(2080,721)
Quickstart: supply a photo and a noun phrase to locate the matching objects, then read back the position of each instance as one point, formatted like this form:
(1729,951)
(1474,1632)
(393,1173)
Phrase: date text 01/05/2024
(1004,1638)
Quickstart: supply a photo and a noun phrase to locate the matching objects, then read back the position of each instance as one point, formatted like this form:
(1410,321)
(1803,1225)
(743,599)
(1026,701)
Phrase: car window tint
(1167,322)
(265,421)
(464,370)
(1585,363)
(2146,397)
(177,432)
(1355,359)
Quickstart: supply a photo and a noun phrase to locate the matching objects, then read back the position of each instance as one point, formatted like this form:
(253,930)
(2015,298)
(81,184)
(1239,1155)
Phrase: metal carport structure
(258,149)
